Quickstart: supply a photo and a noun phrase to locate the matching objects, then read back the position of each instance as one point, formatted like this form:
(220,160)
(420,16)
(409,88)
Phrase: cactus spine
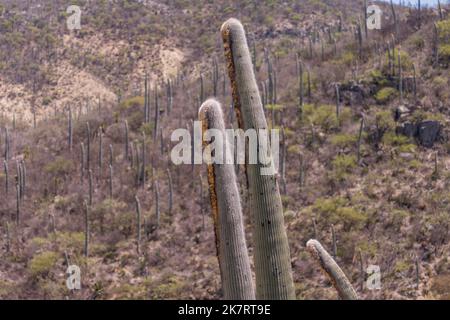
(274,275)
(331,268)
(227,216)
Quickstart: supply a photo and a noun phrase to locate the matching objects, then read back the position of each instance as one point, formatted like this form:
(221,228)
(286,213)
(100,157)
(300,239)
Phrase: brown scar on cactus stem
(332,270)
(227,44)
(211,178)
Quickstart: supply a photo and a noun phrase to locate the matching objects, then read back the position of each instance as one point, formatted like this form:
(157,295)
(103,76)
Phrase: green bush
(42,263)
(385,95)
(343,166)
(344,140)
(338,210)
(59,167)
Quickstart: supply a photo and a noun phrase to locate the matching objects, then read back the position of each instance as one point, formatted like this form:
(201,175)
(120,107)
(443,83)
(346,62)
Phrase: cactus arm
(333,271)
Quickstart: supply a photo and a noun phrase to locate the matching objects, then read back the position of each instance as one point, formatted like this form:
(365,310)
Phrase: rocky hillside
(365,153)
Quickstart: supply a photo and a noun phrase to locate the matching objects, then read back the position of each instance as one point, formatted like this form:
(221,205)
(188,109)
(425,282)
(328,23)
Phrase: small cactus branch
(334,272)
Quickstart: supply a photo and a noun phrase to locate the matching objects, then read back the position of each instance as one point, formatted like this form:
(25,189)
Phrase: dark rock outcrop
(425,132)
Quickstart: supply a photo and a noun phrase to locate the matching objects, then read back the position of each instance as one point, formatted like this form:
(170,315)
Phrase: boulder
(407,129)
(428,132)
(425,132)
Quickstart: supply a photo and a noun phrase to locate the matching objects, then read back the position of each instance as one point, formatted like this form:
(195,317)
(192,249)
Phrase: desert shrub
(402,143)
(418,42)
(171,288)
(342,167)
(384,95)
(325,117)
(344,140)
(132,103)
(338,210)
(42,264)
(59,167)
(115,213)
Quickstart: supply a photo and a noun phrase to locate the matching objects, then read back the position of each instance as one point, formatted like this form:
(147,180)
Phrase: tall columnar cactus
(88,146)
(138,224)
(91,187)
(70,130)
(300,84)
(169,96)
(338,101)
(435,44)
(144,160)
(419,14)
(308,79)
(19,178)
(215,77)
(17,203)
(202,206)
(272,257)
(23,178)
(100,154)
(360,40)
(394,15)
(366,31)
(334,272)
(334,243)
(400,74)
(8,238)
(227,215)
(7,145)
(202,89)
(146,102)
(169,178)
(157,211)
(414,82)
(82,160)
(111,176)
(361,128)
(6,171)
(86,229)
(127,140)
(441,15)
(111,155)
(362,274)
(157,111)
